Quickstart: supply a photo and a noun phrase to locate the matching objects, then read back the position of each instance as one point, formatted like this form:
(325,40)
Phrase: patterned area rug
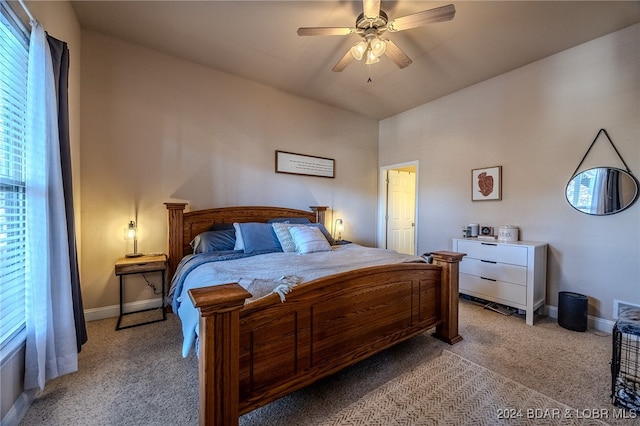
(451,390)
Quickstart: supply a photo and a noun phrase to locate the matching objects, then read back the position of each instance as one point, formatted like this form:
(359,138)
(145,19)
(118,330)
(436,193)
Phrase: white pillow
(239,241)
(309,239)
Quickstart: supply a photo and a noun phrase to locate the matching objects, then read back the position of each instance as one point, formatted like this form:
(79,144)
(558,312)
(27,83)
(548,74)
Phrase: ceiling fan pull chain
(369,79)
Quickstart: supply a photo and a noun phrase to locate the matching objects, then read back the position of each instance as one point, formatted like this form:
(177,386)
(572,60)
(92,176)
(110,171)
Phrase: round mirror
(602,191)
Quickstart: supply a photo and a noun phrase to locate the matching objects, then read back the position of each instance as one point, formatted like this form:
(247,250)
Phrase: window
(14,46)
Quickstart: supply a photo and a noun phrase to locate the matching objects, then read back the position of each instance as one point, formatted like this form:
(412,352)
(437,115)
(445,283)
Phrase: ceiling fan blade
(396,54)
(371,8)
(438,14)
(320,31)
(342,63)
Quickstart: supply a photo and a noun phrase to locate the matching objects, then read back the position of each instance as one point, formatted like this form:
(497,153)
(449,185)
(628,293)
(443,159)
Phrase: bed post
(320,213)
(175,213)
(449,262)
(219,352)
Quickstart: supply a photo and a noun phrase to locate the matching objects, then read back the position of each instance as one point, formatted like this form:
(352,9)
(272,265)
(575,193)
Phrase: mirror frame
(629,204)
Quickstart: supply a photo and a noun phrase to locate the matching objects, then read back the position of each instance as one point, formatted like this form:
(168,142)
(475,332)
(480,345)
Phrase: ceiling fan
(371,26)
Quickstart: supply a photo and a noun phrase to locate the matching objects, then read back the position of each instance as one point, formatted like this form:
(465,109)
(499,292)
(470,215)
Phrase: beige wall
(537,122)
(158,129)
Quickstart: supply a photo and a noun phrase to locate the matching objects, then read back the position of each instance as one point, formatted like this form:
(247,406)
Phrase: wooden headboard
(184,226)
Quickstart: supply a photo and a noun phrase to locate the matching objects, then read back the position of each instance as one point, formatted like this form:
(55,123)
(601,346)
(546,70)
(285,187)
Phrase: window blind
(14,46)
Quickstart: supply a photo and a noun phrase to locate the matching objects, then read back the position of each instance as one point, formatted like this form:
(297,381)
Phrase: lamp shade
(131,234)
(130,231)
(358,49)
(338,228)
(378,47)
(371,58)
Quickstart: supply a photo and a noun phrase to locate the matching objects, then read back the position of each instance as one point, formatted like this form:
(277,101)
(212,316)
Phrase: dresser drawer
(496,291)
(498,271)
(494,252)
(137,265)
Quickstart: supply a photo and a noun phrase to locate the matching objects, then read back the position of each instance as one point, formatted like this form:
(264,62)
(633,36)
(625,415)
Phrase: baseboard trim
(94,314)
(19,409)
(594,323)
(112,311)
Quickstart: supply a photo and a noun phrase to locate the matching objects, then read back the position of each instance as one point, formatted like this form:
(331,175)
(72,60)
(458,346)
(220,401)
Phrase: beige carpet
(452,390)
(137,376)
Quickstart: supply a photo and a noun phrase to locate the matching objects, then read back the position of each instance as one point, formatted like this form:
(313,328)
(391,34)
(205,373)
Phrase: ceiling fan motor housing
(364,23)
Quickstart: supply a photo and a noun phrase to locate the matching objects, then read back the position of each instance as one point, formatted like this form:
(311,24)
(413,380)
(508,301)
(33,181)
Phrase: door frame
(382,202)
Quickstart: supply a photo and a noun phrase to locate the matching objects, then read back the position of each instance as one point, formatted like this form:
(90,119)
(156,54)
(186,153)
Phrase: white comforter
(273,267)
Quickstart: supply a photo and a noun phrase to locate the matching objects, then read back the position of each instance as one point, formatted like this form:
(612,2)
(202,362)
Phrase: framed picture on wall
(486,184)
(300,164)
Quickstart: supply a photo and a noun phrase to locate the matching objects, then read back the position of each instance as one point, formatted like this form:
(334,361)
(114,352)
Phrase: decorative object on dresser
(512,274)
(486,231)
(251,354)
(486,184)
(507,233)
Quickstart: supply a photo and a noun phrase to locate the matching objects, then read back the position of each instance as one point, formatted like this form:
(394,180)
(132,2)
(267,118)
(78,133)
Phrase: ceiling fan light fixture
(358,50)
(371,58)
(377,47)
(371,25)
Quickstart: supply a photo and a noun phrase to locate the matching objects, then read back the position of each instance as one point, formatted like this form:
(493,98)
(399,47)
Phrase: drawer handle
(488,244)
(488,279)
(488,261)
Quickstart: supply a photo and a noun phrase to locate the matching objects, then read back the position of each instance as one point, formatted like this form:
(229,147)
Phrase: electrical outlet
(617,304)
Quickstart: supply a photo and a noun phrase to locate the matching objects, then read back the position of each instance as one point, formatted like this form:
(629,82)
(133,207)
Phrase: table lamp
(130,233)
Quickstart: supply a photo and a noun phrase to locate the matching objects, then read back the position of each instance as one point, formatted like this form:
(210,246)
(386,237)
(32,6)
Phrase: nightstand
(141,265)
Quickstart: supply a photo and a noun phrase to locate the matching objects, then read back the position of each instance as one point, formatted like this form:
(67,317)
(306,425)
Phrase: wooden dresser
(510,273)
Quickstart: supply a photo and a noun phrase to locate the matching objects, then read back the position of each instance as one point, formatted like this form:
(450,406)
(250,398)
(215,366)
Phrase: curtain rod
(26,9)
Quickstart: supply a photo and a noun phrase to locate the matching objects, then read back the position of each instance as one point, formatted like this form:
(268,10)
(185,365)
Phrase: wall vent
(617,304)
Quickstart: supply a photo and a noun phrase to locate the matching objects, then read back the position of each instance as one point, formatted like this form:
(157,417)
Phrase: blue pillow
(259,237)
(214,241)
(221,226)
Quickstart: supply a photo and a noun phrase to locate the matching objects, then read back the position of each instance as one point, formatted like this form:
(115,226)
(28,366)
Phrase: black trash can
(572,310)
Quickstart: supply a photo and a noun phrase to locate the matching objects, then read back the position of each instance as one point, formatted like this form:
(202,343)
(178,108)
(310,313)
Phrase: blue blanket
(265,274)
(188,264)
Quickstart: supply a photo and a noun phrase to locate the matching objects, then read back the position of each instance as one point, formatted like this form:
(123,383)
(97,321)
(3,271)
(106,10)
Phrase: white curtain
(51,349)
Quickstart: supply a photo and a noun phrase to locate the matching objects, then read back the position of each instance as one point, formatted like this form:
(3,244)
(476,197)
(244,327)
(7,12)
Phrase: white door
(401,210)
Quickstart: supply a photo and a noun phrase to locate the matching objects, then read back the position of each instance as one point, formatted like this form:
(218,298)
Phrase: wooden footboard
(251,355)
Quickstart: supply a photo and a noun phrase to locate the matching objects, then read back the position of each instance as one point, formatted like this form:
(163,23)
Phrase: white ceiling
(257,40)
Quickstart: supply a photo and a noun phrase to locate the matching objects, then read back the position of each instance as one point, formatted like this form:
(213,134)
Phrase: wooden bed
(252,355)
